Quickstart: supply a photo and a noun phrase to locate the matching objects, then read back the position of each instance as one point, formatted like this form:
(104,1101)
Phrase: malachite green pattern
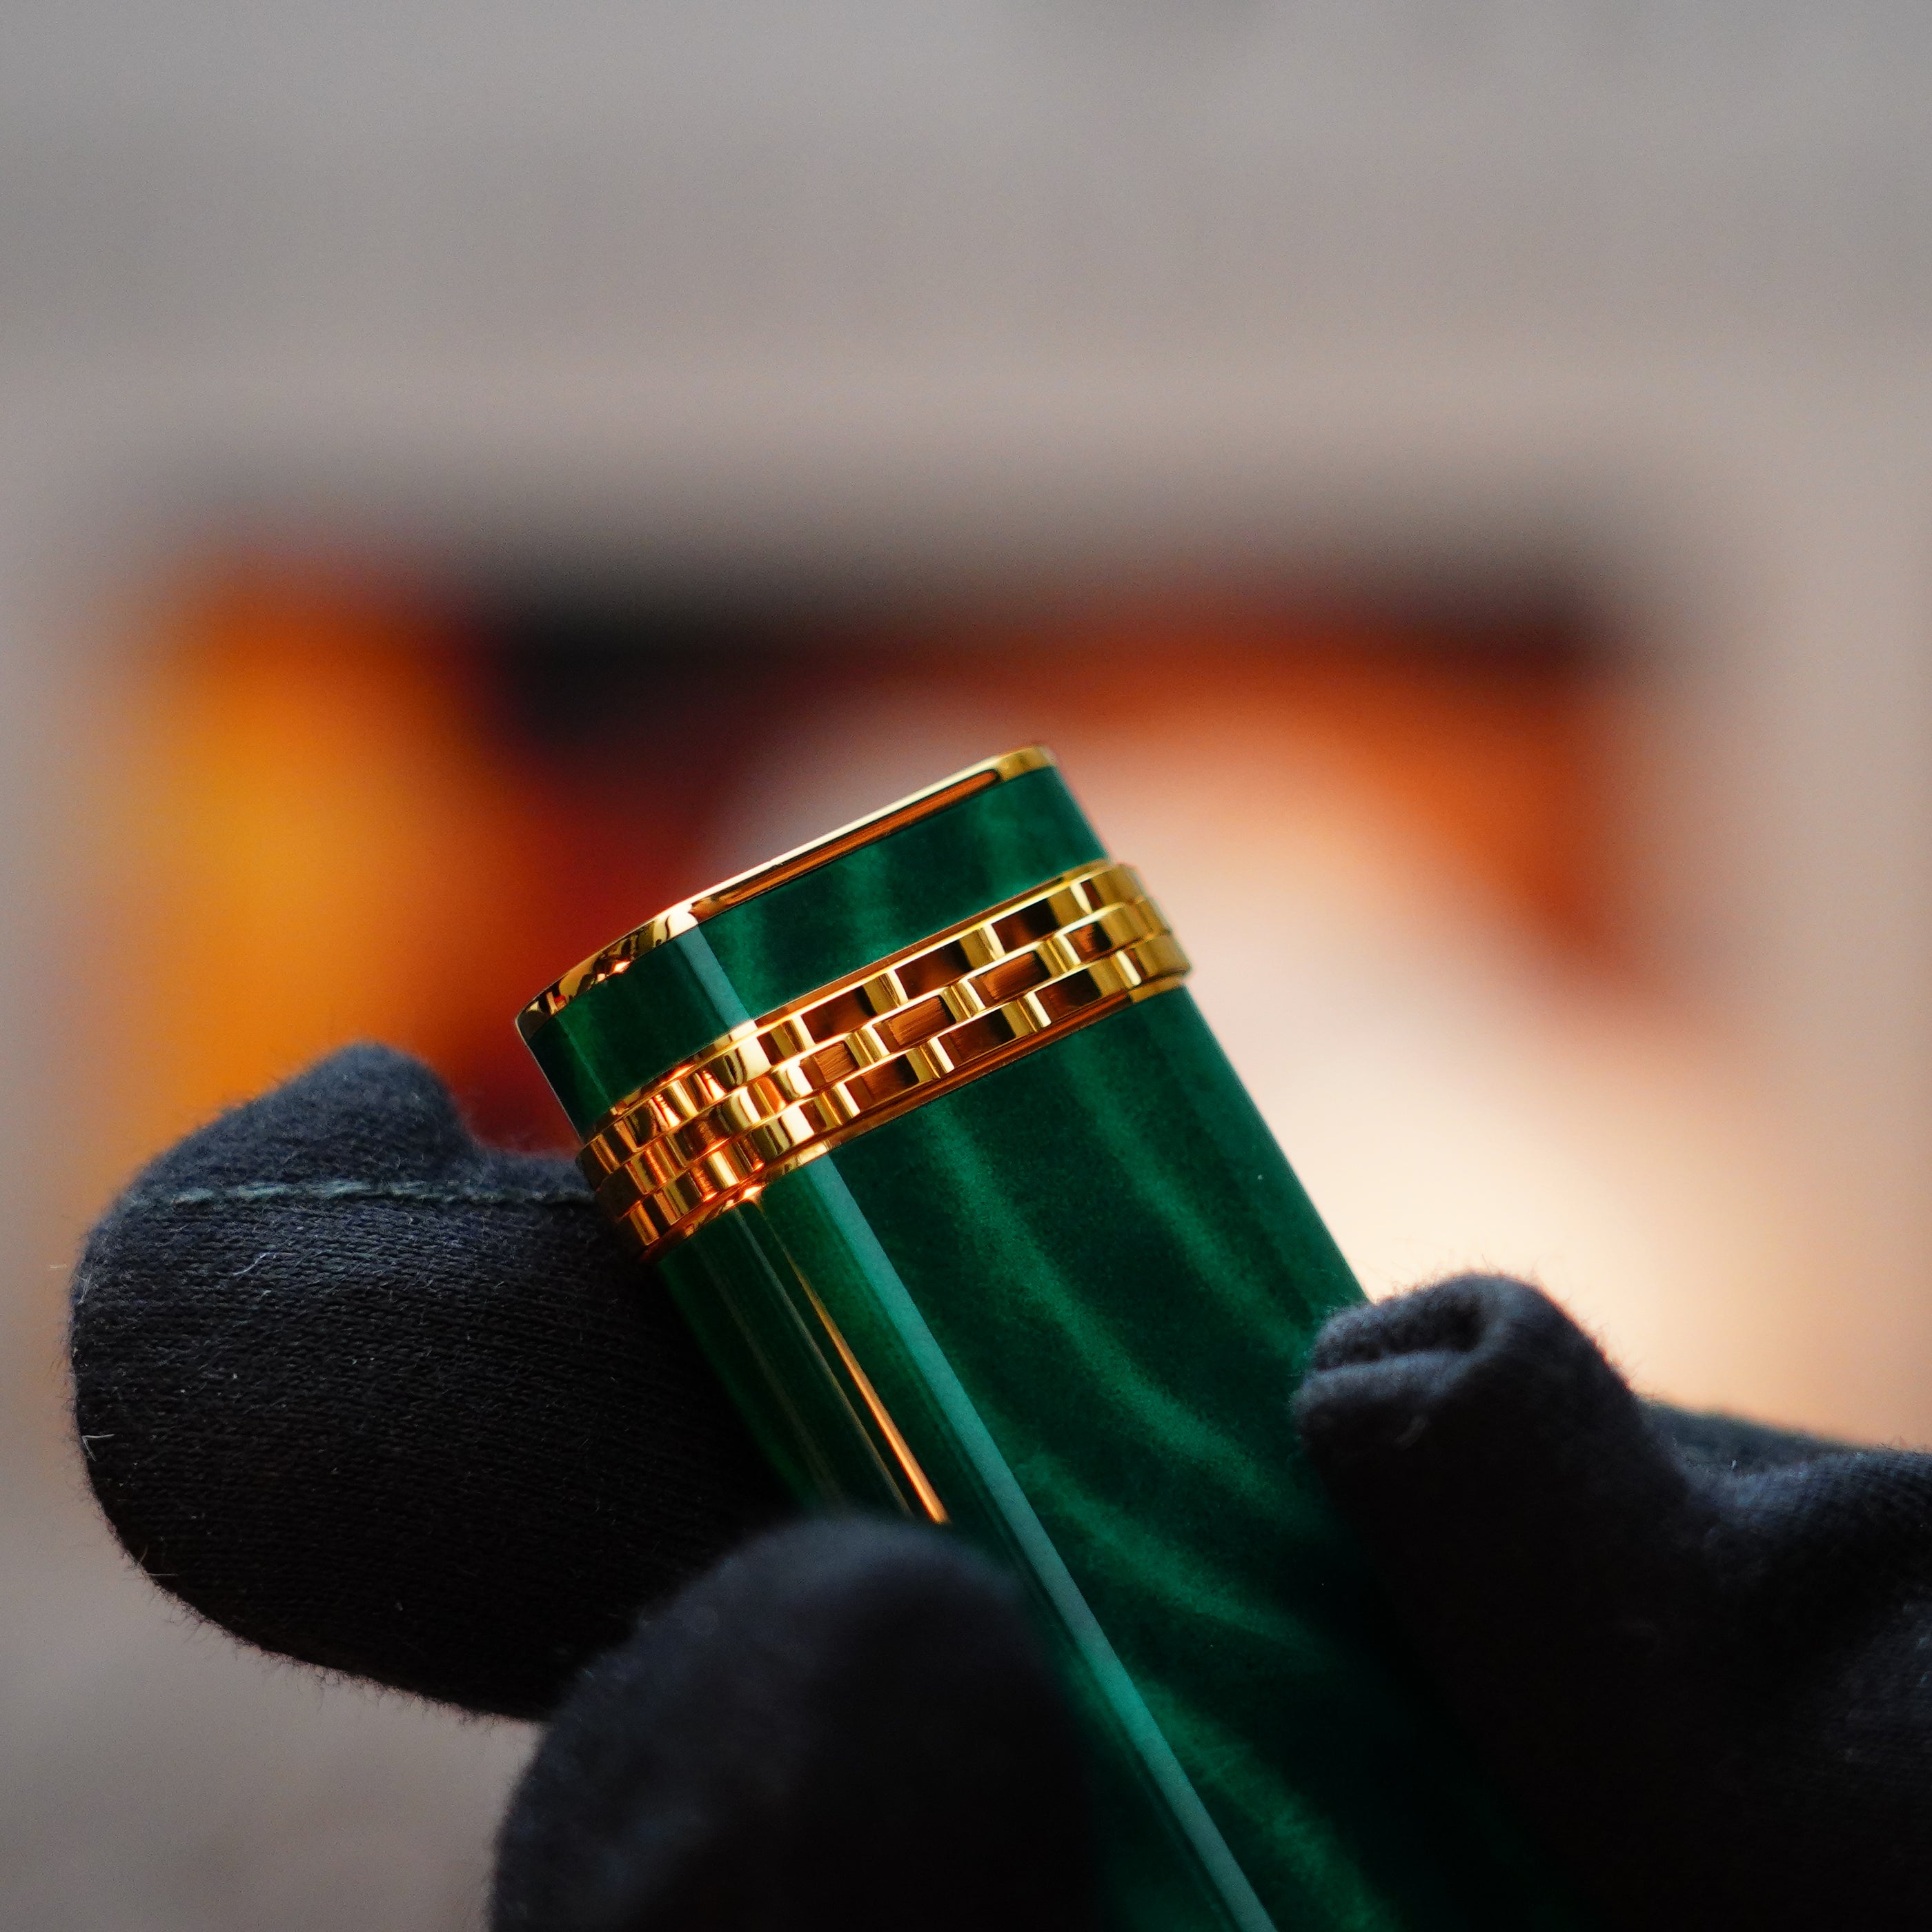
(1081,1288)
(1087,1321)
(768,951)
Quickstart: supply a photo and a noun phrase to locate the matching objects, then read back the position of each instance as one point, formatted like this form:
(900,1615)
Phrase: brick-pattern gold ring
(782,1089)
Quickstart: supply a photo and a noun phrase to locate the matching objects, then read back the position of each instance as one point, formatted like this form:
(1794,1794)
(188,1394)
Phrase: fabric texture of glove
(385,1401)
(380,1399)
(1699,1653)
(848,1724)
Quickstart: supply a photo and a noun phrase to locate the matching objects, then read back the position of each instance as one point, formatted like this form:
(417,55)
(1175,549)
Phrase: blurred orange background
(348,805)
(353,803)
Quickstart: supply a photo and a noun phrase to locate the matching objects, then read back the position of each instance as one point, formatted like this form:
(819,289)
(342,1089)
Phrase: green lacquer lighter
(921,1131)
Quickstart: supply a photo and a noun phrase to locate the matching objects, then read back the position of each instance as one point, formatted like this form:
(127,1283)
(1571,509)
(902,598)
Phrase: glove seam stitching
(431,1193)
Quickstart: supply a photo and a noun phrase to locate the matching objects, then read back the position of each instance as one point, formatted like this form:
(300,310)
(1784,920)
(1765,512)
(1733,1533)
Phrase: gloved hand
(1698,1653)
(379,1399)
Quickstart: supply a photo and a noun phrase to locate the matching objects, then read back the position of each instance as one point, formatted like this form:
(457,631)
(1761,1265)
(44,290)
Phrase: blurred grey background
(1630,294)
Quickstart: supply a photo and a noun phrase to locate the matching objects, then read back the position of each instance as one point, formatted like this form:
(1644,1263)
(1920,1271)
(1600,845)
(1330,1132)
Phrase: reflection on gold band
(780,1090)
(617,957)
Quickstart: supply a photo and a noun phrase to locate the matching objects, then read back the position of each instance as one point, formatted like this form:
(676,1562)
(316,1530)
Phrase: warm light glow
(329,828)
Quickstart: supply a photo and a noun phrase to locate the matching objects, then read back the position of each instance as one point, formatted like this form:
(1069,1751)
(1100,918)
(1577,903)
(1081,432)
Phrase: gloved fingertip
(847,1723)
(1469,1368)
(365,1110)
(1486,1452)
(1448,1319)
(342,1374)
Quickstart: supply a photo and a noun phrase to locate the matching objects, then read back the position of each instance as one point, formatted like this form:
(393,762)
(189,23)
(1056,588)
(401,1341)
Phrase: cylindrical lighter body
(1059,1304)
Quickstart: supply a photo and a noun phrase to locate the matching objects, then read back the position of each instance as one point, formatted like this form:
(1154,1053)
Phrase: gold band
(780,1090)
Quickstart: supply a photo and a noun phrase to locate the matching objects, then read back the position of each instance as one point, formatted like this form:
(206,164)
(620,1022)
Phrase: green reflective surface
(1081,1288)
(1085,1317)
(760,1287)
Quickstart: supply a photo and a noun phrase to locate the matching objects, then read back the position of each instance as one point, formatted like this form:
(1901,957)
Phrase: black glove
(379,1399)
(1698,1653)
(847,1724)
(382,1399)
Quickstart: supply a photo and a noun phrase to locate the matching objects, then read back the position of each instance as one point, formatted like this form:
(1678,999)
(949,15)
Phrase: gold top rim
(615,958)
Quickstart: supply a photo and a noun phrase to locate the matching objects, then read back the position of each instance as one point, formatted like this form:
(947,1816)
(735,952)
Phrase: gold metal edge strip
(917,1096)
(862,1002)
(615,958)
(651,1244)
(796,1013)
(916,1479)
(681,1188)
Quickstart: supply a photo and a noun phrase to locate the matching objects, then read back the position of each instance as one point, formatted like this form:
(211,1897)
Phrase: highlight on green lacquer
(921,1131)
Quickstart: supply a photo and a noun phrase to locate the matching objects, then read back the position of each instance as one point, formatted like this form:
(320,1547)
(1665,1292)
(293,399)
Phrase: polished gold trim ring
(780,1090)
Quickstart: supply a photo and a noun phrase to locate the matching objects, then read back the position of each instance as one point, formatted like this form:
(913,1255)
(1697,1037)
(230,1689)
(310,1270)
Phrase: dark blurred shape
(570,671)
